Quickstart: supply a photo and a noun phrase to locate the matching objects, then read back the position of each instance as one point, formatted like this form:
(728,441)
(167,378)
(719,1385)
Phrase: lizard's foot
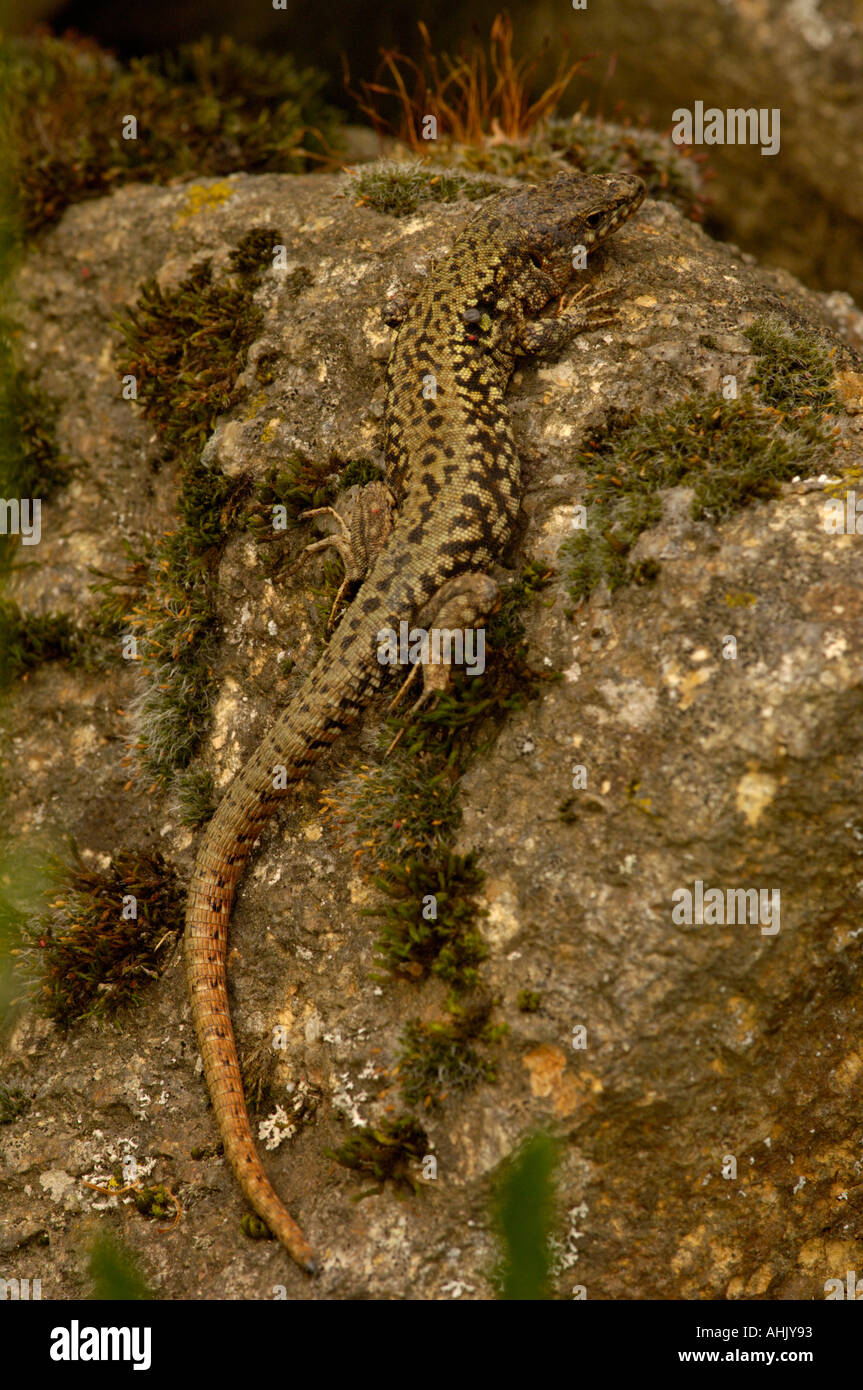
(580,312)
(453,636)
(360,543)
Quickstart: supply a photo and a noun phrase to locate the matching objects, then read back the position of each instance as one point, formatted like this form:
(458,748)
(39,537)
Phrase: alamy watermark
(21,516)
(77,1343)
(438,646)
(735,126)
(715,907)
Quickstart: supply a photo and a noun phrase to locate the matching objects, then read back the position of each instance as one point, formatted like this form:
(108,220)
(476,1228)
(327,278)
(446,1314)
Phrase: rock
(696,1074)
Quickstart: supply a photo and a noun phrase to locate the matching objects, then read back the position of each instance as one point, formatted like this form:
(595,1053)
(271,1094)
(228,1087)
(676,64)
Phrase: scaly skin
(454,472)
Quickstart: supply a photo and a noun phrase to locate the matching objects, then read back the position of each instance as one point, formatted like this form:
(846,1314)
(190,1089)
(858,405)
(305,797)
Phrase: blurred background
(801,208)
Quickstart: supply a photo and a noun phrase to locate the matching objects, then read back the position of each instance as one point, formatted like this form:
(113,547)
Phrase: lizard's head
(572,210)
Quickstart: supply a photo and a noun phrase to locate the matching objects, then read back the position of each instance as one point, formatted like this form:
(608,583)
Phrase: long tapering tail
(329,700)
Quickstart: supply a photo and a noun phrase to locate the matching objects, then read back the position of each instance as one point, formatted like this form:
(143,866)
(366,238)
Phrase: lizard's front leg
(582,312)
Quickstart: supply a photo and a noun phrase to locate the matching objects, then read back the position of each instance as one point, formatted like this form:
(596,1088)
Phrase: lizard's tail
(206,943)
(205,968)
(279,762)
(322,708)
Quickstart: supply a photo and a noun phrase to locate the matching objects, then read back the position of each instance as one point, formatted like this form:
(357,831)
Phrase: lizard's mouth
(601,224)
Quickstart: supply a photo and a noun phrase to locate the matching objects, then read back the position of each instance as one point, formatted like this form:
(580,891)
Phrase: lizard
(453,474)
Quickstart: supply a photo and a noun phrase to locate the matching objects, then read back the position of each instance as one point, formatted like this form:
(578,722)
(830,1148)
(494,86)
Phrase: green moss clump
(13,1103)
(176,630)
(196,794)
(445,944)
(27,640)
(211,108)
(154,1202)
(252,1226)
(31,464)
(253,253)
(730,452)
(300,484)
(793,374)
(358,472)
(437,1058)
(399,189)
(386,1152)
(93,955)
(186,348)
(528,1001)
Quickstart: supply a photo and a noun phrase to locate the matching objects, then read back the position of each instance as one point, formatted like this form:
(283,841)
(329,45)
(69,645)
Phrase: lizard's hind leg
(460,606)
(360,543)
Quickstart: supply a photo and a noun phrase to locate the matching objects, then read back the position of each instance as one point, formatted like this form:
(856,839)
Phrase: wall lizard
(453,476)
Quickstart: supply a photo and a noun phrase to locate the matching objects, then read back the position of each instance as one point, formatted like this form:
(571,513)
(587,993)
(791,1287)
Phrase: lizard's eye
(595,219)
(536,260)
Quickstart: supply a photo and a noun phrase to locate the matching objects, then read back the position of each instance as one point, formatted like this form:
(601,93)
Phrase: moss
(528,1001)
(176,630)
(196,795)
(404,807)
(27,640)
(429,918)
(187,347)
(31,464)
(437,1058)
(211,108)
(386,1152)
(358,472)
(253,254)
(793,374)
(298,485)
(154,1202)
(252,1226)
(729,452)
(120,594)
(91,954)
(400,188)
(13,1103)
